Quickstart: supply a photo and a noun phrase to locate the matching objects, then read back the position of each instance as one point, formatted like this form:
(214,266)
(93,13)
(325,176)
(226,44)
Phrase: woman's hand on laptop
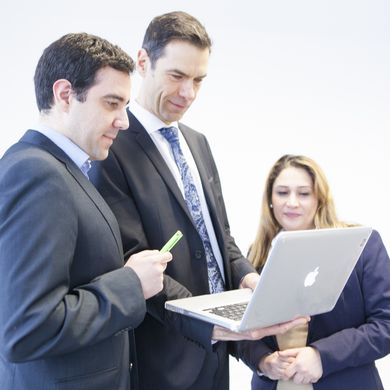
(223,334)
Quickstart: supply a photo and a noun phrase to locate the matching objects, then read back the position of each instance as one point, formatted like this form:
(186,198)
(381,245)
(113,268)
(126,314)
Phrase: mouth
(179,106)
(292,215)
(110,137)
(108,140)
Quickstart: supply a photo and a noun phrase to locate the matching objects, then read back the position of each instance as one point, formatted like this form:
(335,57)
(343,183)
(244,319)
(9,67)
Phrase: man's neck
(49,120)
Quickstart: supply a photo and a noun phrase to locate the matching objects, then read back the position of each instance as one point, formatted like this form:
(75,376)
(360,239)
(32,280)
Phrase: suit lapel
(35,138)
(142,137)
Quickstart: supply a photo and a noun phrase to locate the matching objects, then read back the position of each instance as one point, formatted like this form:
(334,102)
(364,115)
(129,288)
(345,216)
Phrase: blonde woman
(336,350)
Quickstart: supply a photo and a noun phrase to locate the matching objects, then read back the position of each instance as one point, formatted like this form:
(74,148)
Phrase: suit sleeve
(45,312)
(251,352)
(356,346)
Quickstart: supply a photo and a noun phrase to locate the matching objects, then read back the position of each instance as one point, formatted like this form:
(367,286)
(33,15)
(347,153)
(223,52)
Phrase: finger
(286,360)
(147,253)
(218,333)
(166,257)
(224,334)
(263,332)
(295,322)
(301,379)
(297,378)
(280,367)
(291,352)
(291,370)
(287,375)
(314,380)
(268,331)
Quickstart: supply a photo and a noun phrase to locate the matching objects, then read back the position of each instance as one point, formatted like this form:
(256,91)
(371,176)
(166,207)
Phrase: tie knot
(170,134)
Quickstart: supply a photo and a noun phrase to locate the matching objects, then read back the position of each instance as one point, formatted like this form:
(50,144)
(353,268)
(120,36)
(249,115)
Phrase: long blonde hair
(325,216)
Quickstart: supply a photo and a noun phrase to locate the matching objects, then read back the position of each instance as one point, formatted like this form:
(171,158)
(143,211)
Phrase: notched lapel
(40,140)
(97,199)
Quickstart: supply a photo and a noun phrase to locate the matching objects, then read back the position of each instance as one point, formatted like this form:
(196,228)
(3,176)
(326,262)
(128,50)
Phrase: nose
(292,200)
(187,90)
(122,121)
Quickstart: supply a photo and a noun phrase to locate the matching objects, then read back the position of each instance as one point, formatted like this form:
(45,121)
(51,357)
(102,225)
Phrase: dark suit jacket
(141,191)
(66,300)
(350,337)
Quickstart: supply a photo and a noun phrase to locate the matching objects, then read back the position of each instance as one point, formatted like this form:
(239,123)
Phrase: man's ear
(62,90)
(143,62)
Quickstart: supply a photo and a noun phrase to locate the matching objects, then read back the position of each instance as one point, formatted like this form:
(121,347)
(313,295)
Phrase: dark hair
(173,26)
(76,58)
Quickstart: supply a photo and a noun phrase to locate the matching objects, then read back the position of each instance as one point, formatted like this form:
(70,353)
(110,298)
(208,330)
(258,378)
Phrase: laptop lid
(304,275)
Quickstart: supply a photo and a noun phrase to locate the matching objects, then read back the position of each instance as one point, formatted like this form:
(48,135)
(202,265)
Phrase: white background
(304,76)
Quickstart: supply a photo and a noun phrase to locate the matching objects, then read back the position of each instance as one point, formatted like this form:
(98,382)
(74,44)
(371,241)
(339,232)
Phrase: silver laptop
(304,275)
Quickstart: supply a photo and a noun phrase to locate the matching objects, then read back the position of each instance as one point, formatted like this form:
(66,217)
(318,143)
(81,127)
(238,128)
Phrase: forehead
(293,177)
(109,81)
(185,57)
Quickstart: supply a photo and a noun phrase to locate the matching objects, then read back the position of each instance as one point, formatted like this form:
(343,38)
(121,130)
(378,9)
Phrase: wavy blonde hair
(325,216)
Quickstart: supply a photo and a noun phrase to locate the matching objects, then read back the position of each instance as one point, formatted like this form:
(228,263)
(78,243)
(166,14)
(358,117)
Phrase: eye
(282,193)
(176,77)
(113,104)
(305,194)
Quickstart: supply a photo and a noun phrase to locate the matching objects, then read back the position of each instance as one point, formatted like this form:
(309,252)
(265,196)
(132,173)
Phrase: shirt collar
(75,153)
(148,120)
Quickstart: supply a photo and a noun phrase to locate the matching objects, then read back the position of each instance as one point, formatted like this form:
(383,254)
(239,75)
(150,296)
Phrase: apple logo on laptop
(311,277)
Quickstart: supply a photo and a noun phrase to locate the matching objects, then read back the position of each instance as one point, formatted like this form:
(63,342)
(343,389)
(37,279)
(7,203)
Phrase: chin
(101,155)
(173,118)
(293,227)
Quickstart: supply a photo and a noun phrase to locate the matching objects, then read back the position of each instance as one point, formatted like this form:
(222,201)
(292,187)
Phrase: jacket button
(198,254)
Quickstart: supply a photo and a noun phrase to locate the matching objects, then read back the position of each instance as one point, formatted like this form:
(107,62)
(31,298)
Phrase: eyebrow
(184,74)
(115,97)
(286,186)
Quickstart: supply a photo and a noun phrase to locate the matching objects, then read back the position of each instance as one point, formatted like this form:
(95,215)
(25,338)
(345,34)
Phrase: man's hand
(250,280)
(149,265)
(224,334)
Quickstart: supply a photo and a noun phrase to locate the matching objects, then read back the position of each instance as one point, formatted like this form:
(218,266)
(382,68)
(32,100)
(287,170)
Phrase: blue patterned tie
(193,204)
(86,167)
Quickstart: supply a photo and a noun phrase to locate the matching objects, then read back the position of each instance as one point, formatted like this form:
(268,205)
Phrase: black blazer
(144,196)
(66,300)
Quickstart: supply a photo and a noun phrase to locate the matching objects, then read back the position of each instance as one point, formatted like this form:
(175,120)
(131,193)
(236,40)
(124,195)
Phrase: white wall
(301,76)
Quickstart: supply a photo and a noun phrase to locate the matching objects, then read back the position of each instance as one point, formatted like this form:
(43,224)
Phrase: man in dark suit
(66,300)
(146,182)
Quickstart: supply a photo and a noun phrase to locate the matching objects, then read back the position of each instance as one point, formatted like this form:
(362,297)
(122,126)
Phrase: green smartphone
(172,242)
